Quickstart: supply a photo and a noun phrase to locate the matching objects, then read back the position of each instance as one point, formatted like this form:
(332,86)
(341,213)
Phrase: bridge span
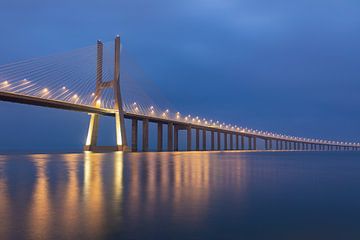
(221,136)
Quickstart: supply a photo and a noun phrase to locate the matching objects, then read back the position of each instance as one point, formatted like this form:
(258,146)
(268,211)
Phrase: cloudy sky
(284,66)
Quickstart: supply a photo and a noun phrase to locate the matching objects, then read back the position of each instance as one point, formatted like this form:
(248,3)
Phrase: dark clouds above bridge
(285,66)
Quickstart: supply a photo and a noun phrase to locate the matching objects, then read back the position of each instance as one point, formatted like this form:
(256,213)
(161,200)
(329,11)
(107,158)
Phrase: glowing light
(134,103)
(92,94)
(98,103)
(136,109)
(152,112)
(45,90)
(64,88)
(152,107)
(75,96)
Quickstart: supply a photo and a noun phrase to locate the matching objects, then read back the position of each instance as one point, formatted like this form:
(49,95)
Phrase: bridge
(88,80)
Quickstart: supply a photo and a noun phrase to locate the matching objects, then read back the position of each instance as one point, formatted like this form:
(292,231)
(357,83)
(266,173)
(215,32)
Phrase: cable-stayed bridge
(90,80)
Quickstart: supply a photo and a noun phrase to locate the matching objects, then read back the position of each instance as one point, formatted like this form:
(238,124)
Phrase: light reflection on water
(180,196)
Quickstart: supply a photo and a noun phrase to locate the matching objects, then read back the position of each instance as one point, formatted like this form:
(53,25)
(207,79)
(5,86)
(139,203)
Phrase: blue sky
(283,66)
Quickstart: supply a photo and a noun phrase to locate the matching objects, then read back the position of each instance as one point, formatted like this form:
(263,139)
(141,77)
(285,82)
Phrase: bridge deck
(30,100)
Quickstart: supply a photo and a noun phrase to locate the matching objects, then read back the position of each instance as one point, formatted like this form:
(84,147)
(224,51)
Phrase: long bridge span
(100,94)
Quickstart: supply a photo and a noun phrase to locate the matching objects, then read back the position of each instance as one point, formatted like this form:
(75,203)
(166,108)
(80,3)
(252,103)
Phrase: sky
(284,66)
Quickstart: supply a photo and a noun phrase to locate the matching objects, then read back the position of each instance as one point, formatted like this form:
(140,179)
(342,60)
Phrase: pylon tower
(101,85)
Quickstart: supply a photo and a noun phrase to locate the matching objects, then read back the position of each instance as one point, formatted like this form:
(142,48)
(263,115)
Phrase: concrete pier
(237,141)
(204,140)
(170,145)
(134,135)
(188,136)
(218,140)
(145,137)
(242,142)
(160,137)
(176,138)
(197,139)
(225,141)
(212,140)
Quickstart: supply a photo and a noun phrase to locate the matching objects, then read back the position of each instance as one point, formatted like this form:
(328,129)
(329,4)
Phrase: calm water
(180,196)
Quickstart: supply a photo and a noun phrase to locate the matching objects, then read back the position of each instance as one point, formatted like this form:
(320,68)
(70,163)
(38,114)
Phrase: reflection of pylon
(91,141)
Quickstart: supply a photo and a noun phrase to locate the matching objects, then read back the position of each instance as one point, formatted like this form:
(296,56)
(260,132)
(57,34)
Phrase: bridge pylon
(101,85)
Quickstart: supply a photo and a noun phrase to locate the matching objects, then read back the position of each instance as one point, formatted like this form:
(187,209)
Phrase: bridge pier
(170,145)
(160,137)
(270,144)
(254,144)
(212,140)
(218,140)
(204,140)
(145,143)
(91,140)
(237,141)
(249,143)
(188,134)
(197,139)
(176,138)
(266,144)
(231,141)
(225,141)
(242,142)
(134,135)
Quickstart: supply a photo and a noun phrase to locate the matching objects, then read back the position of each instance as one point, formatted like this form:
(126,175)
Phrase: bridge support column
(145,137)
(254,138)
(134,135)
(212,140)
(176,138)
(91,140)
(249,143)
(270,144)
(197,139)
(225,141)
(286,145)
(231,141)
(170,146)
(266,144)
(160,137)
(277,144)
(204,140)
(218,140)
(242,142)
(188,135)
(237,141)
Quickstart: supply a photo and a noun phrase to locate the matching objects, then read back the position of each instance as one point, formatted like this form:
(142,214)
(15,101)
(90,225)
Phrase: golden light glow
(45,90)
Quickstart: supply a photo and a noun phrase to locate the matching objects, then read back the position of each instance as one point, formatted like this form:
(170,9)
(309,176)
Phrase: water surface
(277,195)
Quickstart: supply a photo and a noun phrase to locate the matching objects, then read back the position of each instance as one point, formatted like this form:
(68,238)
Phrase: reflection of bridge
(98,93)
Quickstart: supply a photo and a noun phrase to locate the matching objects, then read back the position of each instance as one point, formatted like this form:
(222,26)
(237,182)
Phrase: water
(202,195)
